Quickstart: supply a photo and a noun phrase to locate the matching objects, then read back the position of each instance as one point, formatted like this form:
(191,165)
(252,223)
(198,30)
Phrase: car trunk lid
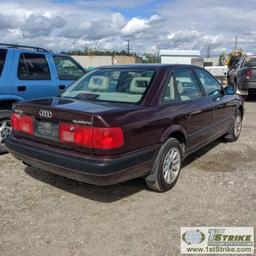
(49,113)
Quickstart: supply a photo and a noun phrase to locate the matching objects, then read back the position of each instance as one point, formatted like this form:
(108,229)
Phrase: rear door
(68,70)
(196,112)
(5,68)
(32,77)
(223,108)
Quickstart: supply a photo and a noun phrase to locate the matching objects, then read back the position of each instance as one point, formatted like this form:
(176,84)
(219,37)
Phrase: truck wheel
(166,167)
(236,128)
(5,128)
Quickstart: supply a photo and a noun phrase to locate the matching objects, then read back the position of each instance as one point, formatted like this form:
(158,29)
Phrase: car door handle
(22,88)
(195,113)
(62,87)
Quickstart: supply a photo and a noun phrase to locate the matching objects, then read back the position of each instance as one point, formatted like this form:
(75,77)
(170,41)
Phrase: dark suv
(122,122)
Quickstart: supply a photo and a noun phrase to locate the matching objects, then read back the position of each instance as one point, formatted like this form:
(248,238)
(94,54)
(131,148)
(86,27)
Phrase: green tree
(151,58)
(96,52)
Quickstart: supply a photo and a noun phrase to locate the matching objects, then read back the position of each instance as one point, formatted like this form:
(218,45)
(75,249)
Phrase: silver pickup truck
(243,76)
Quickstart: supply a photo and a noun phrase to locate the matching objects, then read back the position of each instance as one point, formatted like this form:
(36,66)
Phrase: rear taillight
(248,74)
(108,138)
(22,123)
(77,134)
(92,137)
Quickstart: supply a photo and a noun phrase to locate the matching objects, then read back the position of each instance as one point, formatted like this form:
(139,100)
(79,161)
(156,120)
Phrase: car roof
(30,49)
(33,51)
(148,66)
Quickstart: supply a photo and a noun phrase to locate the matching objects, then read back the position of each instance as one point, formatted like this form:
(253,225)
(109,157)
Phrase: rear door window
(3,54)
(33,67)
(67,68)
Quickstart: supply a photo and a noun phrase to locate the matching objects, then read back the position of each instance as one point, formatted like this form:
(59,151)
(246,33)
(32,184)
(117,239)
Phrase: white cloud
(36,25)
(183,24)
(138,25)
(135,25)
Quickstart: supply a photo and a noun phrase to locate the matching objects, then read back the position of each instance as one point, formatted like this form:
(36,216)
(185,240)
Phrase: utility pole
(128,47)
(74,44)
(208,51)
(236,41)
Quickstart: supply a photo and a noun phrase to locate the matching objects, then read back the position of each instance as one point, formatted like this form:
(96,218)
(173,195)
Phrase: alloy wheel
(5,130)
(171,165)
(238,126)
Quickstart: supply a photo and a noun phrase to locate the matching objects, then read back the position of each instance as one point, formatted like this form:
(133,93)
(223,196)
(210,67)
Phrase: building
(213,61)
(206,62)
(178,56)
(95,61)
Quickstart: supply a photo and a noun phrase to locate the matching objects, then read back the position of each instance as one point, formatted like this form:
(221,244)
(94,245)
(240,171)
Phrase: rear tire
(5,128)
(235,129)
(235,86)
(167,167)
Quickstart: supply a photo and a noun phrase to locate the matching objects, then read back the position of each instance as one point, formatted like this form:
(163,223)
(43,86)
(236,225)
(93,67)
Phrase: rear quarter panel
(147,126)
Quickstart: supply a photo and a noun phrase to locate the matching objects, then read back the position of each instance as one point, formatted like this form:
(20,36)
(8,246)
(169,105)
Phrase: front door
(224,110)
(196,109)
(68,70)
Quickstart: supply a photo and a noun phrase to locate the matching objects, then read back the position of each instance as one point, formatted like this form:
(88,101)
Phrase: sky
(149,25)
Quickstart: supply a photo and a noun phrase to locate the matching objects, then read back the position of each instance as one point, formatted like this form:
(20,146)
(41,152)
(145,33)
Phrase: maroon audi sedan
(121,122)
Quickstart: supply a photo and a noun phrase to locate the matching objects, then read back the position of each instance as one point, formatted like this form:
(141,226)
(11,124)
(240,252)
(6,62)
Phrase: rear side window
(67,68)
(33,67)
(210,84)
(3,54)
(250,63)
(187,86)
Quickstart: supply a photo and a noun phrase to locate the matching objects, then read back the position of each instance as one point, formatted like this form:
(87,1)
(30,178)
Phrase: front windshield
(117,85)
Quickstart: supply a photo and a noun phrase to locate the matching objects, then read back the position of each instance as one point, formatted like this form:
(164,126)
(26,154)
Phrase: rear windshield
(250,62)
(115,85)
(2,59)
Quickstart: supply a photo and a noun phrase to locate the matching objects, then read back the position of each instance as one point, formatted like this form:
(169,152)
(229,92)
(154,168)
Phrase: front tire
(236,128)
(167,167)
(5,129)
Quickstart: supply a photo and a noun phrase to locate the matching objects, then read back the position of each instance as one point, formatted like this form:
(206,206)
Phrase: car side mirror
(229,90)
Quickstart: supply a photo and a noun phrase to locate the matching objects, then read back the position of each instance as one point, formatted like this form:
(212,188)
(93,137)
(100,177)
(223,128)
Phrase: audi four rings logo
(45,113)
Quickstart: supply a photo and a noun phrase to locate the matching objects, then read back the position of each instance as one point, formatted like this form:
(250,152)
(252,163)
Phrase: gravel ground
(44,214)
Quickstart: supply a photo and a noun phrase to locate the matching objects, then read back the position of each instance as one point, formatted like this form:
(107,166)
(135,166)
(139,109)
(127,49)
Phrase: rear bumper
(242,92)
(90,170)
(245,85)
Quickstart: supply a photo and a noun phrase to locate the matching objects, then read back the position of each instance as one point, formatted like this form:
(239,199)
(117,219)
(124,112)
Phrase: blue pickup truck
(30,72)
